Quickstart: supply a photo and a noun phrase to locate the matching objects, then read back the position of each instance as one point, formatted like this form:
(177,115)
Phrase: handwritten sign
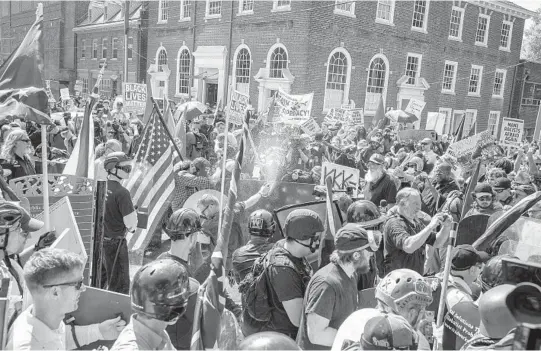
(135,97)
(49,92)
(343,177)
(65,94)
(292,109)
(512,131)
(78,85)
(415,107)
(468,145)
(310,127)
(355,116)
(238,105)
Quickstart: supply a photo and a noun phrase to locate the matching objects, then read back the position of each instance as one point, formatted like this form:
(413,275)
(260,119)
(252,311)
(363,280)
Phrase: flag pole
(224,162)
(45,181)
(160,116)
(126,32)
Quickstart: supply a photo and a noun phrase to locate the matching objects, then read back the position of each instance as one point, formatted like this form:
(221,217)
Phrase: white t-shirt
(353,327)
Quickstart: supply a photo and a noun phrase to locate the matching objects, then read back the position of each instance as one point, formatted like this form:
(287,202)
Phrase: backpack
(200,141)
(257,296)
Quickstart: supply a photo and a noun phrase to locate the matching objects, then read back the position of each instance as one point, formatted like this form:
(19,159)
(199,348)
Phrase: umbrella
(193,109)
(401,116)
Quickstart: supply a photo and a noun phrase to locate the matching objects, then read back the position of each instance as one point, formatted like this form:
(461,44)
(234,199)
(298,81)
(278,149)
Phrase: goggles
(126,168)
(484,198)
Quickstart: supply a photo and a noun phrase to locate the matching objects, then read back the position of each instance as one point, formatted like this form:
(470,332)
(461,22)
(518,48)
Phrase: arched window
(278,61)
(337,84)
(162,60)
(376,85)
(242,70)
(184,61)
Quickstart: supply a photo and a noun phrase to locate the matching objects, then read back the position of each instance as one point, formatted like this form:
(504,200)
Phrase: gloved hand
(45,240)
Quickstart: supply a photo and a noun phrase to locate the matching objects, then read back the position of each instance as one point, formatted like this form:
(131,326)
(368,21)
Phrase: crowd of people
(398,222)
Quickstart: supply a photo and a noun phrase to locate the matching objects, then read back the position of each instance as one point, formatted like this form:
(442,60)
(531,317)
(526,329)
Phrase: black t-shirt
(396,231)
(118,204)
(19,167)
(384,189)
(245,256)
(330,294)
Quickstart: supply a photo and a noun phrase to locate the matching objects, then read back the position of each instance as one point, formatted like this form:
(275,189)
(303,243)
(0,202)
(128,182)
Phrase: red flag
(211,296)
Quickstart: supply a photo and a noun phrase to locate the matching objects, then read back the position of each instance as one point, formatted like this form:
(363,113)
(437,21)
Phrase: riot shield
(471,228)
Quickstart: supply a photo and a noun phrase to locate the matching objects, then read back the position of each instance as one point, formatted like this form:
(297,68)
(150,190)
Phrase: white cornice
(92,27)
(504,8)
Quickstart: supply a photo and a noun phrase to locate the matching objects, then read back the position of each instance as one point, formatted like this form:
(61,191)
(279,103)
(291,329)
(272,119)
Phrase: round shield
(471,228)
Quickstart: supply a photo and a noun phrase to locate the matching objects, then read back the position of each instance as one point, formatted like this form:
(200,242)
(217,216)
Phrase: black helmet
(182,223)
(113,160)
(492,274)
(160,290)
(268,341)
(9,216)
(261,223)
(364,212)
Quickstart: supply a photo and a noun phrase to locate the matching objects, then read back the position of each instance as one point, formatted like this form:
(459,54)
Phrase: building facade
(101,38)
(60,17)
(454,55)
(526,98)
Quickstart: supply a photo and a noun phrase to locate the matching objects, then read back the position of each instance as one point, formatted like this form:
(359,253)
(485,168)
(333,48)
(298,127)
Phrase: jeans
(118,277)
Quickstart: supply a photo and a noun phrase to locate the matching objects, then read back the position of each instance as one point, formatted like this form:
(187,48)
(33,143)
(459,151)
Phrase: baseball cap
(377,159)
(388,332)
(466,256)
(353,237)
(28,224)
(483,189)
(426,141)
(302,224)
(502,183)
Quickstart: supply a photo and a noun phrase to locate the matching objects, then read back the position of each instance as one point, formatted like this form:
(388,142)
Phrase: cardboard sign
(343,177)
(135,97)
(49,92)
(416,135)
(461,323)
(435,121)
(78,87)
(65,94)
(415,107)
(345,115)
(310,127)
(356,116)
(238,105)
(512,131)
(468,145)
(293,109)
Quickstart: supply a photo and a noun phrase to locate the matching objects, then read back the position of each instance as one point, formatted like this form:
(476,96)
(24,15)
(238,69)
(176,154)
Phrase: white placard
(238,105)
(343,177)
(65,94)
(135,97)
(415,107)
(435,121)
(310,127)
(512,131)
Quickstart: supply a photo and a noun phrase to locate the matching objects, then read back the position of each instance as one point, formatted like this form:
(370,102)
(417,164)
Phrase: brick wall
(527,72)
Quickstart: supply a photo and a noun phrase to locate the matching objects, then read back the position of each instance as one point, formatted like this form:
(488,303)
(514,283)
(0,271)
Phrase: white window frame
(94,49)
(483,43)
(502,89)
(183,16)
(83,51)
(461,27)
(389,22)
(425,22)
(347,84)
(247,12)
(114,47)
(480,80)
(419,64)
(177,87)
(448,123)
(276,8)
(453,84)
(130,58)
(207,10)
(509,38)
(235,59)
(339,11)
(269,55)
(530,101)
(474,122)
(158,57)
(104,47)
(496,124)
(385,82)
(161,11)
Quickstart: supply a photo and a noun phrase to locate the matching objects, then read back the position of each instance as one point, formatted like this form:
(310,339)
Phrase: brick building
(101,36)
(526,96)
(60,17)
(454,55)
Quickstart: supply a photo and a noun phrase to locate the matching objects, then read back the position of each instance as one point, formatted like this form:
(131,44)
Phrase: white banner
(293,109)
(415,107)
(135,97)
(512,132)
(343,177)
(238,105)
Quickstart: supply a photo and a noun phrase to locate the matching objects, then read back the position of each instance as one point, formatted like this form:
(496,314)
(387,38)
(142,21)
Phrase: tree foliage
(531,45)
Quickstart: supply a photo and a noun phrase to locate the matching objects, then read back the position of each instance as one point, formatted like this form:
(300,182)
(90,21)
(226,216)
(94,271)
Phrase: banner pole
(45,182)
(446,273)
(224,162)
(160,116)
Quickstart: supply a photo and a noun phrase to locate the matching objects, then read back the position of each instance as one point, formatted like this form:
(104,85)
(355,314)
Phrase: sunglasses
(484,198)
(25,140)
(499,190)
(77,284)
(126,169)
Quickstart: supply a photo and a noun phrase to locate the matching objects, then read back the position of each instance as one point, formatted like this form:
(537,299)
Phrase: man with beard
(484,201)
(379,185)
(191,180)
(196,142)
(402,293)
(435,191)
(331,295)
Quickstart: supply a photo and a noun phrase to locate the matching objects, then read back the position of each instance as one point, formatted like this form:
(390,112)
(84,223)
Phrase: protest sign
(415,107)
(238,105)
(435,121)
(467,146)
(65,94)
(512,131)
(343,177)
(135,97)
(310,127)
(460,325)
(416,135)
(355,116)
(78,85)
(49,92)
(292,109)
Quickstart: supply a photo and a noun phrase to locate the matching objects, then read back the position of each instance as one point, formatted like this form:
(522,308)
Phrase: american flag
(211,294)
(151,183)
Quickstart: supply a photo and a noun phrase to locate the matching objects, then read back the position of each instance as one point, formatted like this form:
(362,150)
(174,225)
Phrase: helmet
(402,286)
(492,274)
(302,224)
(268,341)
(9,216)
(365,213)
(160,290)
(261,223)
(182,223)
(113,161)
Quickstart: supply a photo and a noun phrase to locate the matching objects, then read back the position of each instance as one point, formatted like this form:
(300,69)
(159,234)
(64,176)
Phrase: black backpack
(200,141)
